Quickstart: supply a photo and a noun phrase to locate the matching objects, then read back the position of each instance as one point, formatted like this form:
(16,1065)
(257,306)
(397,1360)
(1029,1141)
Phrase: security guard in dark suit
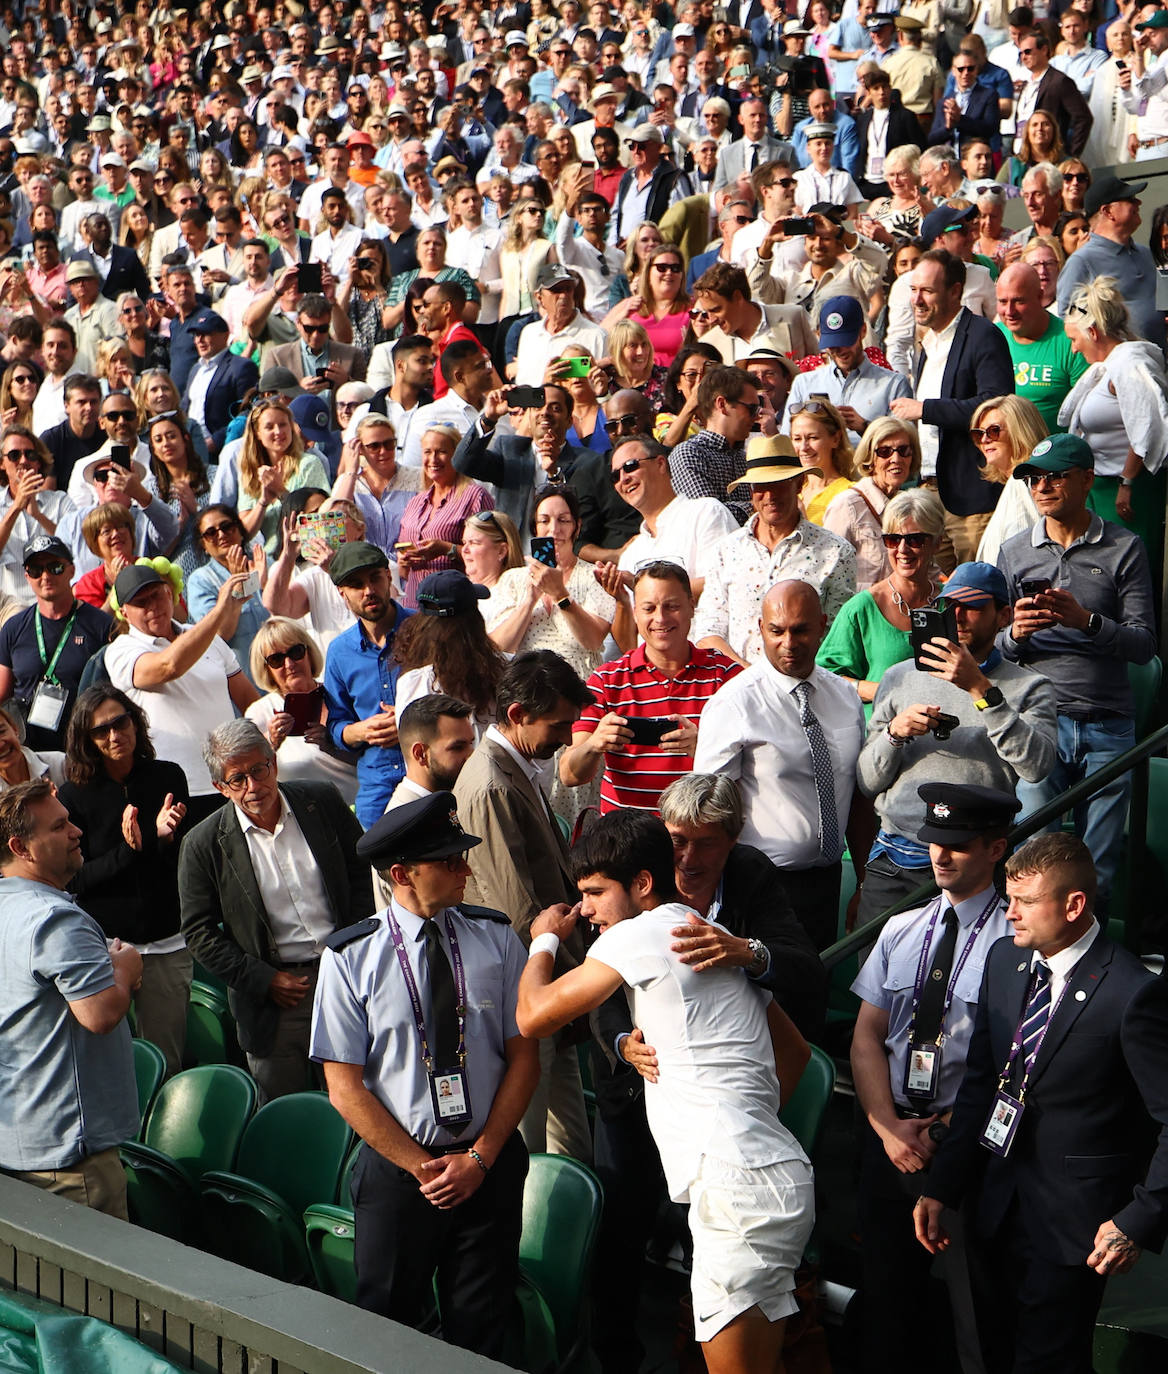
(414,1023)
(919,990)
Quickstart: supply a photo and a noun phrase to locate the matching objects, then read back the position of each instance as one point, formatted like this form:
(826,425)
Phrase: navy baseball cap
(450,593)
(972,584)
(944,217)
(208,322)
(47,544)
(840,322)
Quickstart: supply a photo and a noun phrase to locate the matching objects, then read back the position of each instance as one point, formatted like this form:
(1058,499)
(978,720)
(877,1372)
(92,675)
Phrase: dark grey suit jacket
(226,925)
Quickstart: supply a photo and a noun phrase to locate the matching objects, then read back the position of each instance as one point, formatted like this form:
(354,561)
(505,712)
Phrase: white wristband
(547,943)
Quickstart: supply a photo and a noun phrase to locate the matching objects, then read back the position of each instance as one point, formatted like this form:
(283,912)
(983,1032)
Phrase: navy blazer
(233,377)
(903,128)
(1092,1145)
(980,120)
(978,369)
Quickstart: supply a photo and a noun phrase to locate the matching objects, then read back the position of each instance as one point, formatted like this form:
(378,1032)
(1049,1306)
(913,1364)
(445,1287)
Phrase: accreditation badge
(450,1096)
(922,1071)
(47,709)
(1002,1124)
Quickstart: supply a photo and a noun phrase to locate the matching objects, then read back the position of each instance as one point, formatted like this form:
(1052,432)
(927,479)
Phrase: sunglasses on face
(120,415)
(625,469)
(916,542)
(991,432)
(36,570)
(294,653)
(222,531)
(667,268)
(1056,479)
(1076,176)
(24,381)
(700,315)
(623,424)
(887,450)
(114,725)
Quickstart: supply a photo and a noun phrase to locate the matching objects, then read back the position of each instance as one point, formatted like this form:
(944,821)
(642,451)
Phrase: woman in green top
(431,252)
(871,632)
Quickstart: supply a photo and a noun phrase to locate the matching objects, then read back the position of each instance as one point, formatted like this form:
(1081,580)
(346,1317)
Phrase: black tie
(443,1025)
(753,157)
(932,1004)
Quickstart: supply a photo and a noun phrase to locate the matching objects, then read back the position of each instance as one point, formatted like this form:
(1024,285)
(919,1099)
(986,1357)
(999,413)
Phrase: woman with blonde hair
(819,435)
(156,394)
(1006,429)
(272,461)
(522,252)
(1120,407)
(1041,141)
(136,231)
(633,366)
(888,456)
(284,659)
(871,632)
(661,302)
(115,366)
(490,547)
(898,215)
(214,171)
(642,241)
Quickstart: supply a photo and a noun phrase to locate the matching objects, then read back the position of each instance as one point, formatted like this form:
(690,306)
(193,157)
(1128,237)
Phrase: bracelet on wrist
(478,1159)
(895,740)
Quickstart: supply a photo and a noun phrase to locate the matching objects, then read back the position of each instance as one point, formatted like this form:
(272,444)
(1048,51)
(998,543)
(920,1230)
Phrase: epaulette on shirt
(340,938)
(483,913)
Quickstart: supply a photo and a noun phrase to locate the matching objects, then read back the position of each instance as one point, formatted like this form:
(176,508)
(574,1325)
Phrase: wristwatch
(993,697)
(1127,481)
(1094,624)
(758,956)
(564,602)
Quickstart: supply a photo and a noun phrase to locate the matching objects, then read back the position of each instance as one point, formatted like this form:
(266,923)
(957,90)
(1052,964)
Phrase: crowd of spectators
(598,398)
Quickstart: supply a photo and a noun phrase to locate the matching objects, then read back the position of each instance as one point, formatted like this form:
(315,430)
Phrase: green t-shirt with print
(1044,371)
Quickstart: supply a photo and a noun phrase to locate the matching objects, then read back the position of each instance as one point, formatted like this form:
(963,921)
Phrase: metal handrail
(1067,800)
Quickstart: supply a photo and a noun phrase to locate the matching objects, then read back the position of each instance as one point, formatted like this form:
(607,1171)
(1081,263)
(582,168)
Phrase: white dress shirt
(1062,964)
(687,530)
(198,385)
(291,887)
(751,731)
(936,348)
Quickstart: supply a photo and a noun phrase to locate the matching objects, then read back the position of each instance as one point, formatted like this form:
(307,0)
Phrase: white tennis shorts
(749,1227)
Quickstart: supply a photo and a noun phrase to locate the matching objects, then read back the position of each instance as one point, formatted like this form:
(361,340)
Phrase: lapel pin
(1021,968)
(1080,996)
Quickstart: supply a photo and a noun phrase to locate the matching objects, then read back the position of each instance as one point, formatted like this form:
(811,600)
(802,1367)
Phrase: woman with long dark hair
(131,807)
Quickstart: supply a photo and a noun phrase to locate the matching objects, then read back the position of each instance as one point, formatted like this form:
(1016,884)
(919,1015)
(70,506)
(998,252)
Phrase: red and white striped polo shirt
(632,686)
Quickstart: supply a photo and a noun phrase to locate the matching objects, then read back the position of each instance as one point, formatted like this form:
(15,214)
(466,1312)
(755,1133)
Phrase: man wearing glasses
(1094,618)
(971,111)
(265,882)
(1048,89)
(649,187)
(588,252)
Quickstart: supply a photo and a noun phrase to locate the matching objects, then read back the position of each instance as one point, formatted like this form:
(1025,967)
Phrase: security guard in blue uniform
(920,987)
(414,1023)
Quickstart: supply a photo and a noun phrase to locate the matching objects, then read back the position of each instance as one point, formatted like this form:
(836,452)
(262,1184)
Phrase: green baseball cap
(353,558)
(1059,453)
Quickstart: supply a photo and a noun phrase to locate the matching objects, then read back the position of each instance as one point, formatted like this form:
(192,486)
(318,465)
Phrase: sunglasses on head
(294,653)
(809,408)
(916,542)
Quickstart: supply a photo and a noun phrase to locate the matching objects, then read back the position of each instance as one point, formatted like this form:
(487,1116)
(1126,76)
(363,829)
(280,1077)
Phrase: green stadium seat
(149,1071)
(210,1028)
(254,1214)
(562,1202)
(803,1114)
(329,1234)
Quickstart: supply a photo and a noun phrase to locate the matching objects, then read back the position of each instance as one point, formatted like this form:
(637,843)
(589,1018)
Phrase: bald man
(768,729)
(1045,369)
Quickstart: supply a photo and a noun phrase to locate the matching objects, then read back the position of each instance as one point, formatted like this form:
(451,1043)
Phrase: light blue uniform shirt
(362,1015)
(870,390)
(889,975)
(65,1093)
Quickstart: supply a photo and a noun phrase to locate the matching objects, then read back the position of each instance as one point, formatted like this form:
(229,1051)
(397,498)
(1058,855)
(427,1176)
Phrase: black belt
(293,968)
(1094,717)
(458,1148)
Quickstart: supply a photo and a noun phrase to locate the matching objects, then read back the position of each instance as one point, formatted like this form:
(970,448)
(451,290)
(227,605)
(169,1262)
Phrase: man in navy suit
(119,267)
(1066,1163)
(962,361)
(217,381)
(971,112)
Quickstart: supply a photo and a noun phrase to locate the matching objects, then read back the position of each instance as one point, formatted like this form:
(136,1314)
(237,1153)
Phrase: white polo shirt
(183,712)
(687,530)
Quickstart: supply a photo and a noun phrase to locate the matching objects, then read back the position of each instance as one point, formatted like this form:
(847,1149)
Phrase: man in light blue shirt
(859,389)
(1078,59)
(846,149)
(67,1091)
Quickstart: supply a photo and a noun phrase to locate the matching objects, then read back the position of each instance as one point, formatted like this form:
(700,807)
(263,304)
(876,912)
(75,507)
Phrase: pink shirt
(666,335)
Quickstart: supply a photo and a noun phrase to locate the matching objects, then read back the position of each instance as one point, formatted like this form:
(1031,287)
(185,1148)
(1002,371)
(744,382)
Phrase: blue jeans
(1083,748)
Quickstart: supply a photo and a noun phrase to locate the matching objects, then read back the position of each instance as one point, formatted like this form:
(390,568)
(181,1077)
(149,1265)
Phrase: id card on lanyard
(997,1135)
(922,1070)
(449,1090)
(47,709)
